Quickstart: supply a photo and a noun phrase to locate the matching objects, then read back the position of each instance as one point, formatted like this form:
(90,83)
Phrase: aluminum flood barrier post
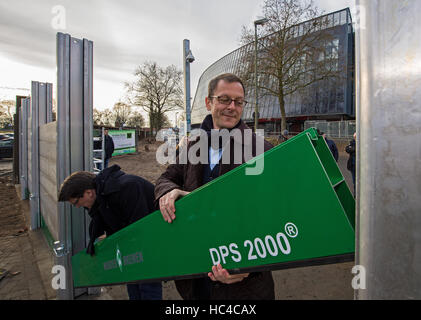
(74,143)
(41,110)
(388,247)
(23,147)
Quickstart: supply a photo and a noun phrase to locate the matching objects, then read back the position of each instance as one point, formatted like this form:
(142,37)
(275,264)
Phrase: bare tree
(97,117)
(156,90)
(292,55)
(121,113)
(107,118)
(136,120)
(6,113)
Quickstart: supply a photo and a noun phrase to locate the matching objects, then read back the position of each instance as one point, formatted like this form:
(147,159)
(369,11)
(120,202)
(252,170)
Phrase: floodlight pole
(187,58)
(256,108)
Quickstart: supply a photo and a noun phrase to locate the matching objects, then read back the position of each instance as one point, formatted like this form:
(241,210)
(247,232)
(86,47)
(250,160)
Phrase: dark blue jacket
(121,199)
(333,148)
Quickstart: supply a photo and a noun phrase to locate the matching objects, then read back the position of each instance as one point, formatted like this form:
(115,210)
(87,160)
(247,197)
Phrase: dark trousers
(106,163)
(145,291)
(353,178)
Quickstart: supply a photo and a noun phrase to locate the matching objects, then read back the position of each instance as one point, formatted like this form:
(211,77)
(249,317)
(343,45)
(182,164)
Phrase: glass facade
(328,97)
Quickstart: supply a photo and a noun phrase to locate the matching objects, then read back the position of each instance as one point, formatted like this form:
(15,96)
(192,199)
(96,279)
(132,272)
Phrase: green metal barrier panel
(297,212)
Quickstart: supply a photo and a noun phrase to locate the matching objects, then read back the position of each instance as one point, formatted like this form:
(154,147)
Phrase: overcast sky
(125,33)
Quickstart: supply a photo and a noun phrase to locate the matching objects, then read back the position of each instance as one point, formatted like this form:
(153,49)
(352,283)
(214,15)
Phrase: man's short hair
(75,185)
(227,77)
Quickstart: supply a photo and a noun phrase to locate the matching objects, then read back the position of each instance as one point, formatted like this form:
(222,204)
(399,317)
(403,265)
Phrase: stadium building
(328,104)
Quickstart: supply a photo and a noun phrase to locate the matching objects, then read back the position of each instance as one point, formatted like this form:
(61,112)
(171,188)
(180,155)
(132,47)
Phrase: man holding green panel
(226,102)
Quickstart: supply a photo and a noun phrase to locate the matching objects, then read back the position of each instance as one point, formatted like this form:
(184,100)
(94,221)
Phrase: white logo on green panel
(257,248)
(119,259)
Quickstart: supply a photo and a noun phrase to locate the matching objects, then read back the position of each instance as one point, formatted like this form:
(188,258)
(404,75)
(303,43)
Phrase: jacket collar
(107,181)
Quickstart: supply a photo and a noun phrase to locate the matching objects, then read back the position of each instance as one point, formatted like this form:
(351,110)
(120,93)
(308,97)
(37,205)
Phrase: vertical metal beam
(88,116)
(63,158)
(34,196)
(389,149)
(23,147)
(49,106)
(74,140)
(16,148)
(41,107)
(186,51)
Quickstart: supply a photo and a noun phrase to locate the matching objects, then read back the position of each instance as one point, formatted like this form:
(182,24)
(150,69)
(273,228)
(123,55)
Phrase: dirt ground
(13,241)
(143,163)
(10,222)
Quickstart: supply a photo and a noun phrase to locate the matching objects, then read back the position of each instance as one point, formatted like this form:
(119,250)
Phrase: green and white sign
(124,141)
(298,212)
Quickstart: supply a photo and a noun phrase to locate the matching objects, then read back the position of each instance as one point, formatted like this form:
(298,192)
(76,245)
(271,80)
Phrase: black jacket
(121,199)
(350,149)
(108,146)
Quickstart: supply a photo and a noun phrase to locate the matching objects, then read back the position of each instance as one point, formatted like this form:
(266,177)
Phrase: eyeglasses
(227,101)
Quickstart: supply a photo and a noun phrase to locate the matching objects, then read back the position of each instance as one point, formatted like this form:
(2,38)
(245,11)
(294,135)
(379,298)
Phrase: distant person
(283,136)
(332,146)
(114,200)
(109,148)
(350,149)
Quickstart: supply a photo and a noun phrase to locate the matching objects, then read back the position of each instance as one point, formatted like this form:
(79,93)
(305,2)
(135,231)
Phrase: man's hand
(220,274)
(167,203)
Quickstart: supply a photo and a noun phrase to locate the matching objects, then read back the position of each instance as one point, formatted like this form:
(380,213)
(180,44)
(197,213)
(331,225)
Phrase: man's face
(106,132)
(225,116)
(87,200)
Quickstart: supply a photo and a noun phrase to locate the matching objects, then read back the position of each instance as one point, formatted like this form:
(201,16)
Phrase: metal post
(388,243)
(74,142)
(256,107)
(23,146)
(34,196)
(187,58)
(16,130)
(41,107)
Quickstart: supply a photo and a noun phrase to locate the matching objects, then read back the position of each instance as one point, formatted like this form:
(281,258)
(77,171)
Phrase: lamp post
(187,58)
(256,108)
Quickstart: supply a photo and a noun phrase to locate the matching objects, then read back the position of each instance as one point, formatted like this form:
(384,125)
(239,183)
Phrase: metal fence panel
(333,129)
